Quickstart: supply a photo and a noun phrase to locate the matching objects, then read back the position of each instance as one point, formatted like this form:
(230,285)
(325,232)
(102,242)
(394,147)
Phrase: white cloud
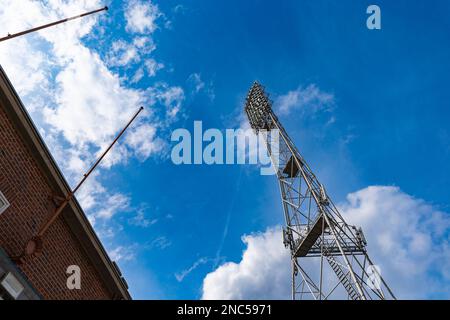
(34,71)
(143,141)
(90,97)
(90,191)
(141,16)
(170,97)
(144,44)
(308,99)
(179,8)
(153,67)
(407,238)
(183,274)
(115,203)
(129,53)
(109,232)
(141,221)
(122,253)
(138,75)
(263,272)
(195,80)
(123,53)
(160,243)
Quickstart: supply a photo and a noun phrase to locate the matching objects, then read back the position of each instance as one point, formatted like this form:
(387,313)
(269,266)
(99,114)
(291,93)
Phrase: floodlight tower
(329,256)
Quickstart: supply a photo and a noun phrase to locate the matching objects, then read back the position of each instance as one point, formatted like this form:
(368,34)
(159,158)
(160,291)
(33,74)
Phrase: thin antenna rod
(86,175)
(10,36)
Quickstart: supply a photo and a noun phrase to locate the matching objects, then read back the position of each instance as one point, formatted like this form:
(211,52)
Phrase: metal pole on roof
(85,176)
(34,245)
(14,35)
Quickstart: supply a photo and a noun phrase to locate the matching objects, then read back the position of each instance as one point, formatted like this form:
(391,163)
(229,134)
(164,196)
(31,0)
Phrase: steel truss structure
(329,256)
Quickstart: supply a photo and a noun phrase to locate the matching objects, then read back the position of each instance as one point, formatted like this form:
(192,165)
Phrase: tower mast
(329,257)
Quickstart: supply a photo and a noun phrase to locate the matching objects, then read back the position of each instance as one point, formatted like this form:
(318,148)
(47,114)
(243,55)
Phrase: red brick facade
(28,193)
(27,189)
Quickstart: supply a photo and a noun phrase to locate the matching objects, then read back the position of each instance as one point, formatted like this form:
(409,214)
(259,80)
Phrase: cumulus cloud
(308,99)
(89,97)
(141,16)
(144,142)
(407,237)
(263,272)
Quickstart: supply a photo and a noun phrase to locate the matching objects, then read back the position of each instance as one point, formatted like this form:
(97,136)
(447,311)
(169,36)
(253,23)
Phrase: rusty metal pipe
(14,35)
(86,175)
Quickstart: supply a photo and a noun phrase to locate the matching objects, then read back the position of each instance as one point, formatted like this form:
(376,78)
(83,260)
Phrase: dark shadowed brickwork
(27,188)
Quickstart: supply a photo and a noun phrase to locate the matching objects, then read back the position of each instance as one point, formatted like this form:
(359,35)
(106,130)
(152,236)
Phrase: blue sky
(378,115)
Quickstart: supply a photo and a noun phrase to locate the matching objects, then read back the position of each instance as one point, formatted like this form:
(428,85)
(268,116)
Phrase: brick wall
(25,187)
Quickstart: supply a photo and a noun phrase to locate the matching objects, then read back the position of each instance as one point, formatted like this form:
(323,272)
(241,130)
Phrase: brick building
(30,181)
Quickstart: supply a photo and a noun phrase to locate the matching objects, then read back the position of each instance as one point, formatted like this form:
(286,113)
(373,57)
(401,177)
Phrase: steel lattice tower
(329,256)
